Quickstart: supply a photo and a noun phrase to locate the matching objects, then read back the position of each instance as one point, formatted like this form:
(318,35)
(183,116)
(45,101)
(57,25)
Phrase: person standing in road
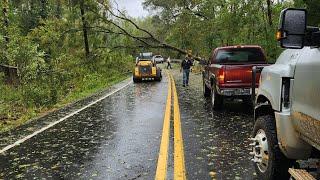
(185,67)
(169,63)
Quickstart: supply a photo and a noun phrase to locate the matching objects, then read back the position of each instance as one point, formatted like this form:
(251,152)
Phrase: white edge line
(60,120)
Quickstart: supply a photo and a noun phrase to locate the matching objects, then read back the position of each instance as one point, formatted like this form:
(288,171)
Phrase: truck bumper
(235,91)
(289,140)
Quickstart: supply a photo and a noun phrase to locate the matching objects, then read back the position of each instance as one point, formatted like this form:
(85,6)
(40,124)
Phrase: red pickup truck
(228,74)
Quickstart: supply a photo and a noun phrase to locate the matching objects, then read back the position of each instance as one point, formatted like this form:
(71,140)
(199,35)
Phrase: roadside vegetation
(46,43)
(66,50)
(203,25)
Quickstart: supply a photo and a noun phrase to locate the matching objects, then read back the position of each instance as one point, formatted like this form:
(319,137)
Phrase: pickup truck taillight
(221,76)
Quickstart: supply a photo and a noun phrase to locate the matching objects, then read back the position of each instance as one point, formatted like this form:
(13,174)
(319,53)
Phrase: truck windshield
(240,55)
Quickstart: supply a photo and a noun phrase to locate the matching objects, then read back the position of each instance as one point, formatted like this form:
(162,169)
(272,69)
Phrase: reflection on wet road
(117,138)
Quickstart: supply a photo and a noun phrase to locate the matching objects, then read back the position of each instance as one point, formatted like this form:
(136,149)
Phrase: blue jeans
(186,73)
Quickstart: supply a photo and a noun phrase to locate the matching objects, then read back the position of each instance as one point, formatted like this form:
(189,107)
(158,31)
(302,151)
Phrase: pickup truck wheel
(269,161)
(206,90)
(216,99)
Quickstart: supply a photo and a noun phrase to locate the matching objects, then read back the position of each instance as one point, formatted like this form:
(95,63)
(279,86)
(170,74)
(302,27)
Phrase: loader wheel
(135,80)
(159,76)
(270,163)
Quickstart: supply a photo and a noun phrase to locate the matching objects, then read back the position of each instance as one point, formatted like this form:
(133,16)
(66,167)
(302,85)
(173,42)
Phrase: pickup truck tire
(277,164)
(216,99)
(206,90)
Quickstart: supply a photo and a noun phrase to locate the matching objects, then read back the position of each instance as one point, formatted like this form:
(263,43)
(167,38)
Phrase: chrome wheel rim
(261,150)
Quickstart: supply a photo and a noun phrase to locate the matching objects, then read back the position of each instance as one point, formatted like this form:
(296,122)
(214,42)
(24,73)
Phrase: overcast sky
(133,7)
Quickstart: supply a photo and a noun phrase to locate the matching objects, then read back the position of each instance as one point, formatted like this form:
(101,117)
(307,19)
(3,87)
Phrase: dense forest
(63,50)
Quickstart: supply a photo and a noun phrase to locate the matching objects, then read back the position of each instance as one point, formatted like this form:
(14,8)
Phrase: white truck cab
(287,105)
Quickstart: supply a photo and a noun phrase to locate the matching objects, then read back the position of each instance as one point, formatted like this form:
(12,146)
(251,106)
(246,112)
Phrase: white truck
(158,59)
(287,104)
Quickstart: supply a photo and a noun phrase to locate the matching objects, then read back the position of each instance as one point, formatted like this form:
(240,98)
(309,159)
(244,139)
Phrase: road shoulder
(37,123)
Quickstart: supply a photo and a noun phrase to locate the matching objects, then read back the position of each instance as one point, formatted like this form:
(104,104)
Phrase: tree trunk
(269,12)
(58,9)
(6,19)
(84,28)
(43,11)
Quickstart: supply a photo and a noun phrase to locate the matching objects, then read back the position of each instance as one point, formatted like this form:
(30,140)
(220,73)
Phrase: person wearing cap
(185,68)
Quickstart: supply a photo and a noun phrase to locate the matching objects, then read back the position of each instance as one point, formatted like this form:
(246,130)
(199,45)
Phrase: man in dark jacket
(185,67)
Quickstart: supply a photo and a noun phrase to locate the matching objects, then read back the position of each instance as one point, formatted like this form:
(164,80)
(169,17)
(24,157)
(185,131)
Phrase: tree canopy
(65,47)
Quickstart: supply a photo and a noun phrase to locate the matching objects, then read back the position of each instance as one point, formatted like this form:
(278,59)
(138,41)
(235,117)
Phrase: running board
(300,174)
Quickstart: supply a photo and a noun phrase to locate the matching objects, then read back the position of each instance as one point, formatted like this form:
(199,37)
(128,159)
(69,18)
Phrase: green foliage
(313,7)
(204,25)
(46,42)
(46,45)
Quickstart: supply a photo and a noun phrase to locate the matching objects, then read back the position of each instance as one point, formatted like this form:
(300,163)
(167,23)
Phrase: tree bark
(6,19)
(58,9)
(269,12)
(43,11)
(84,28)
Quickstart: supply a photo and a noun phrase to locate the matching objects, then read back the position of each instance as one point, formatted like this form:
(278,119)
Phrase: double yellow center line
(179,164)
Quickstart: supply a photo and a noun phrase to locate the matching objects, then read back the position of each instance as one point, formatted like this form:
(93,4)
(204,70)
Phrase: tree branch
(123,17)
(196,13)
(150,41)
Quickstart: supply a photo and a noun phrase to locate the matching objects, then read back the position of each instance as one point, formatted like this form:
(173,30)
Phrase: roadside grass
(14,113)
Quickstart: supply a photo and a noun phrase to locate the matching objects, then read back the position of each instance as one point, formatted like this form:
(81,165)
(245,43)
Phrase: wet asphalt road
(119,138)
(215,142)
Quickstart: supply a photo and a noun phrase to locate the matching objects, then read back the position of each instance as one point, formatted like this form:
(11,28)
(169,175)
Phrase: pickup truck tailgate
(240,75)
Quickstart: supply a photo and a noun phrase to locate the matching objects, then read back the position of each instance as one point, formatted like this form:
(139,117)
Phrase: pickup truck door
(306,96)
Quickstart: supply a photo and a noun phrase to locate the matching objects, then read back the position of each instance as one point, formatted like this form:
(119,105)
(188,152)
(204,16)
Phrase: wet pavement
(215,142)
(119,138)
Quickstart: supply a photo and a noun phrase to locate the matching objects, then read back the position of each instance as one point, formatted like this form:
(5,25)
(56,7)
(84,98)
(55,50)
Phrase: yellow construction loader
(146,69)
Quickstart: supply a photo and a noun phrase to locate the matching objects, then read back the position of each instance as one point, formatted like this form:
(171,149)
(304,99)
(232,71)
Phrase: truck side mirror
(292,28)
